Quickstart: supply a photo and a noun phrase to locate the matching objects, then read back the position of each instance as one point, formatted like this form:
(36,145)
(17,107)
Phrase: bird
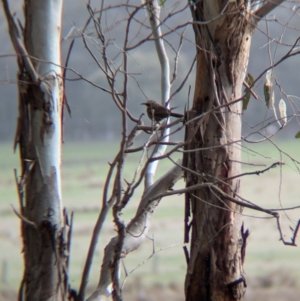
(157,112)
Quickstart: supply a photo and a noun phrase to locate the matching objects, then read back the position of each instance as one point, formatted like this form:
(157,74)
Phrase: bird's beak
(143,103)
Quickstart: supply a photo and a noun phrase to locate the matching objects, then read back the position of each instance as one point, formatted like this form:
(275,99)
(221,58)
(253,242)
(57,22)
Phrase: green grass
(271,151)
(84,168)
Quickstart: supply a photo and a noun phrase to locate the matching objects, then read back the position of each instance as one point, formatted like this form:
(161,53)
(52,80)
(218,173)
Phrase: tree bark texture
(215,267)
(43,225)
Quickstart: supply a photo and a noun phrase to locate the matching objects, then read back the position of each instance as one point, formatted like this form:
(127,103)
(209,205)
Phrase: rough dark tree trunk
(218,241)
(215,269)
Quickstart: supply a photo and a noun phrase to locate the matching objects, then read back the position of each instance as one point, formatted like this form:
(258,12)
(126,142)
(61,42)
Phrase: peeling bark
(215,269)
(44,226)
(218,240)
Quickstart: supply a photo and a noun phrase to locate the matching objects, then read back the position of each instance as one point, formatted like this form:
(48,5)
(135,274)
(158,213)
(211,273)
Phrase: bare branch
(295,233)
(64,82)
(185,79)
(251,90)
(149,257)
(136,230)
(257,172)
(106,205)
(154,14)
(18,44)
(264,9)
(23,218)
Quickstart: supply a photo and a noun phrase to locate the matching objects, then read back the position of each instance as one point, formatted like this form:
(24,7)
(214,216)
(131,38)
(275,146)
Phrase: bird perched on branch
(157,112)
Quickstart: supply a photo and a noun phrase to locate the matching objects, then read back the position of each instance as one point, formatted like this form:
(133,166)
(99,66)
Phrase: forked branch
(136,230)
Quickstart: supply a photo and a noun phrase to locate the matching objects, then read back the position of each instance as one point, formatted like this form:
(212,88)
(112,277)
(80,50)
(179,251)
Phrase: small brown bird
(157,112)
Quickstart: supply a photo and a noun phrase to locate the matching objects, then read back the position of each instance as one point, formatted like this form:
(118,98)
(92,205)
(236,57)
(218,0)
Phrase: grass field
(269,266)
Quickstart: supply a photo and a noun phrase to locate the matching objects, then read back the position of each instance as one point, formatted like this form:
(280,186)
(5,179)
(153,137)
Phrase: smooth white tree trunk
(38,137)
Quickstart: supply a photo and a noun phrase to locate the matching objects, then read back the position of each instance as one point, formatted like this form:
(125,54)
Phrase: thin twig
(295,233)
(18,44)
(23,218)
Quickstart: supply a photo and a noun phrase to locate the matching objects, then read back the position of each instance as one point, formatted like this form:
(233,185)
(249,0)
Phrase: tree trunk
(215,269)
(39,138)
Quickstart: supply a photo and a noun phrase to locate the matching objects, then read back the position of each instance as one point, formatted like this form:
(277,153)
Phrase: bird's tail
(177,115)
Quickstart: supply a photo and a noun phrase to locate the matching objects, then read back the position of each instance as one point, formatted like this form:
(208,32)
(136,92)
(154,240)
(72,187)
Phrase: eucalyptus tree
(38,139)
(211,163)
(223,31)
